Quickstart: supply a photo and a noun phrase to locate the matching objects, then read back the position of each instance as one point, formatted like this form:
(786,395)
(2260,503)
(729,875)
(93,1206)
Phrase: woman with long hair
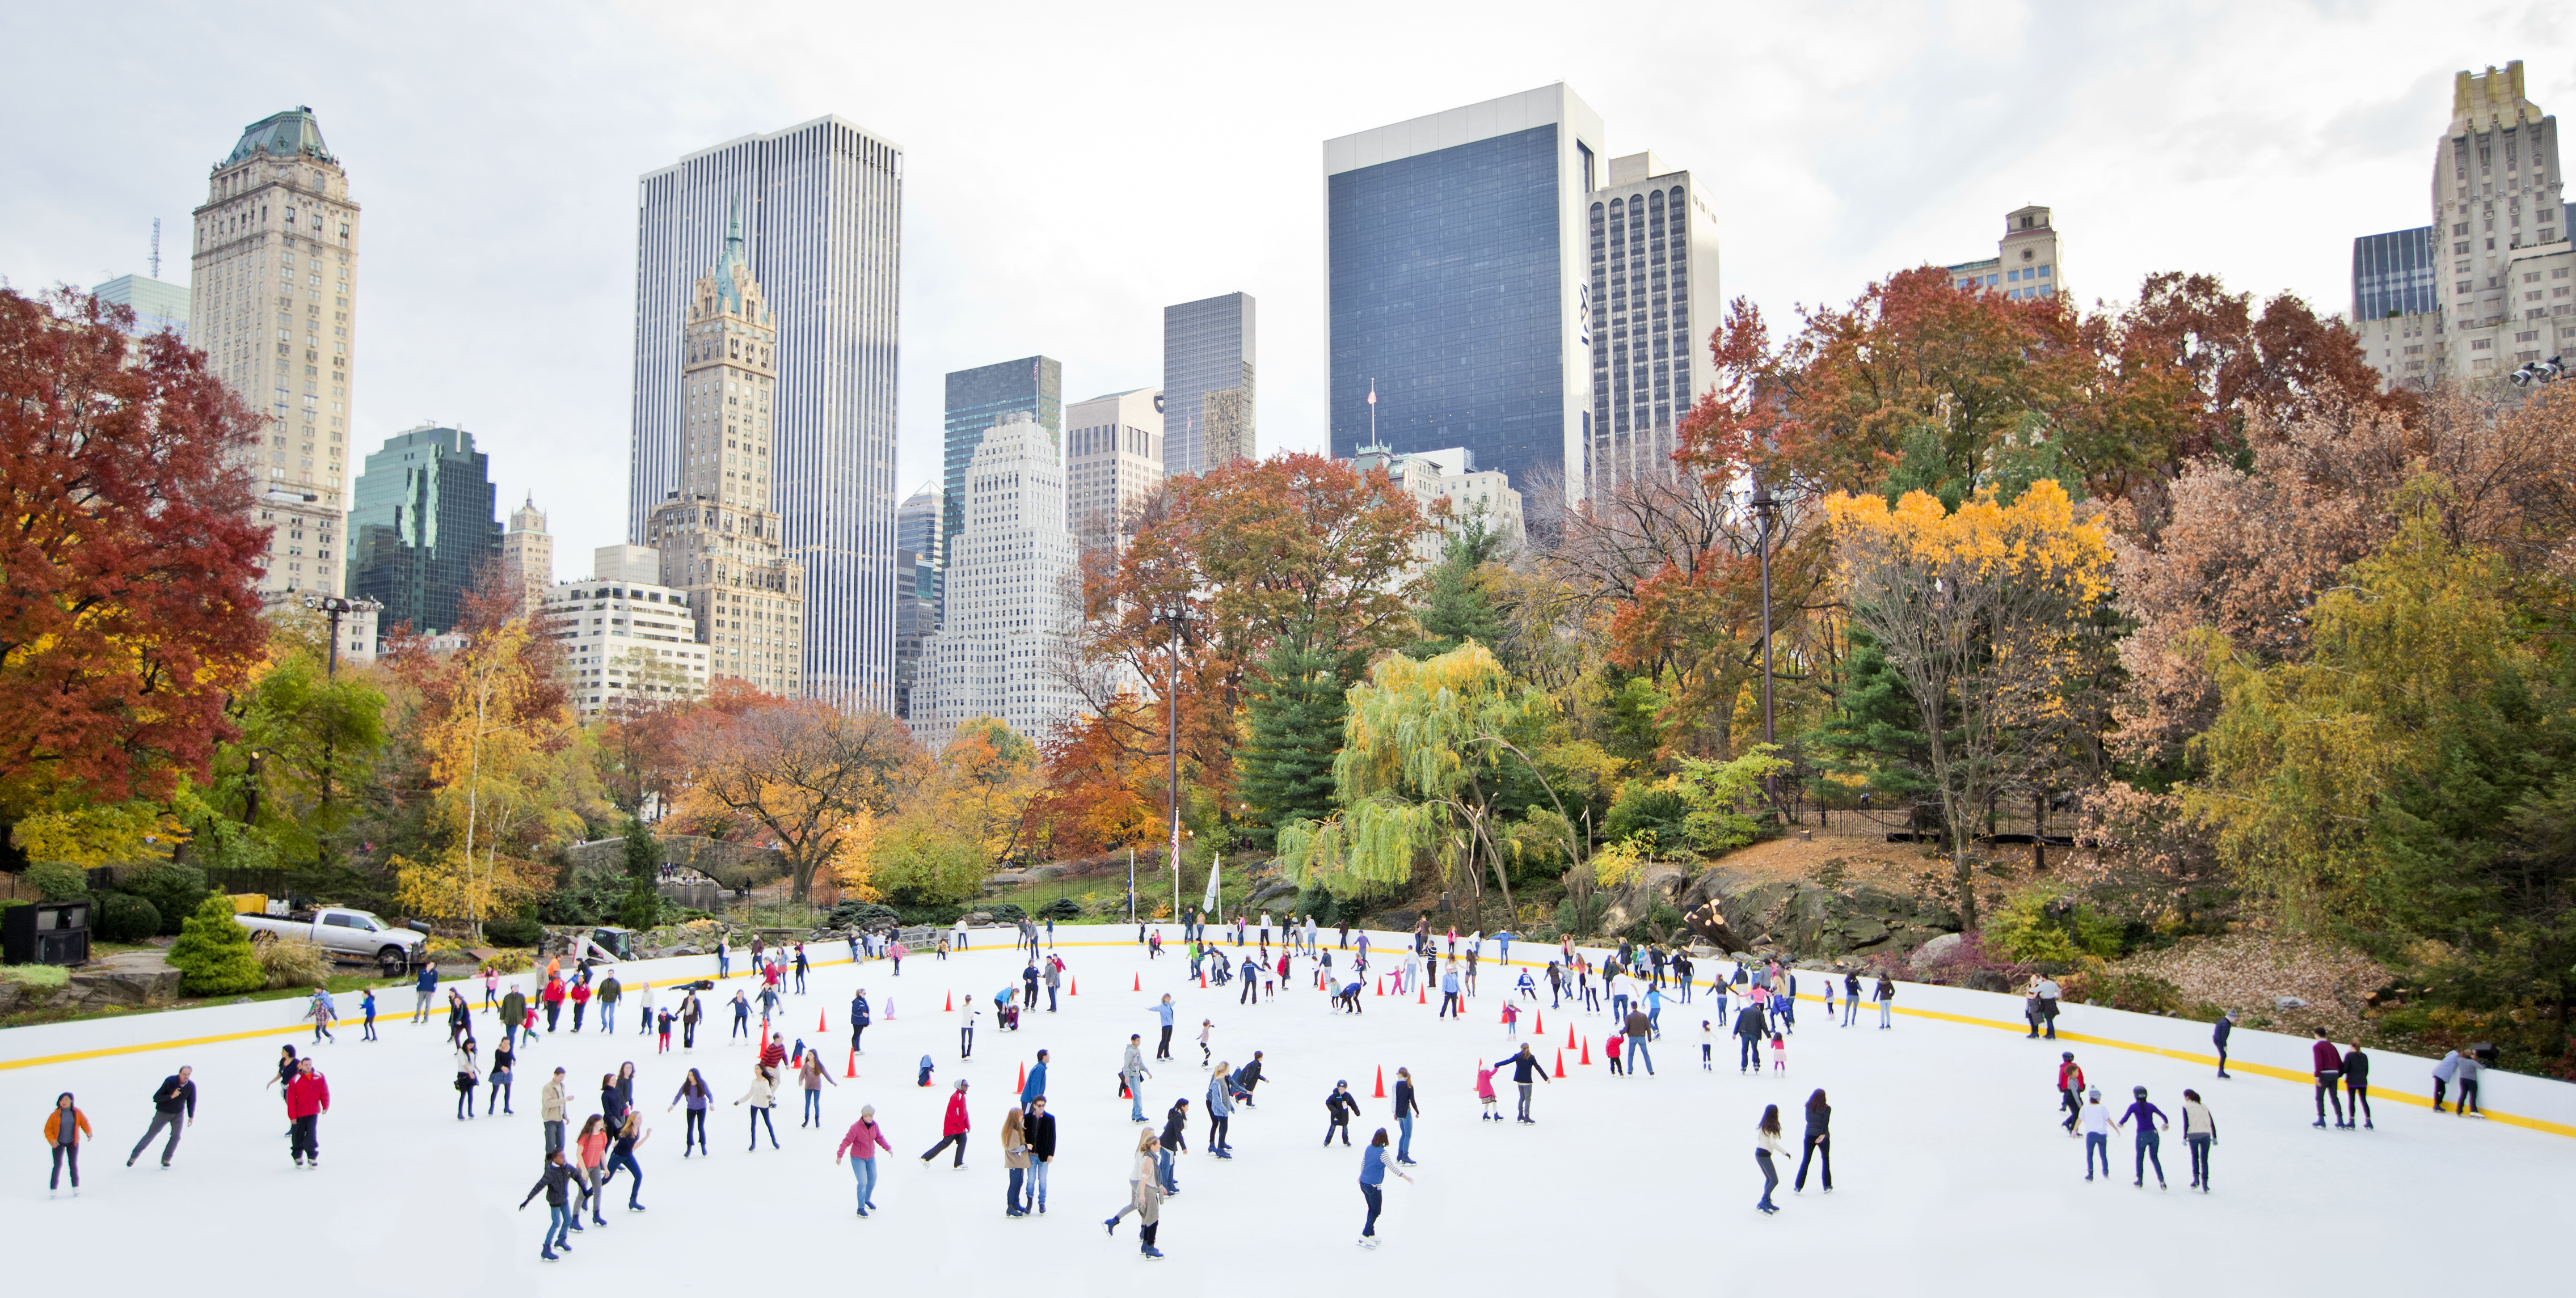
(761,1095)
(1015,1156)
(629,1136)
(1767,1148)
(504,1062)
(592,1145)
(1146,1170)
(693,1090)
(467,1074)
(1818,1139)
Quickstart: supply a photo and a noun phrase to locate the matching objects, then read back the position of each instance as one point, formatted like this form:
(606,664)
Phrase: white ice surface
(1952,1175)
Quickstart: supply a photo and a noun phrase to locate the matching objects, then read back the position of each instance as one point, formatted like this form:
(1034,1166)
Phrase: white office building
(821,205)
(1114,449)
(626,638)
(1012,606)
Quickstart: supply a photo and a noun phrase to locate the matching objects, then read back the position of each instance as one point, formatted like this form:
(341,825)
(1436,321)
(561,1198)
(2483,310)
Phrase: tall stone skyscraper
(821,206)
(273,302)
(1114,451)
(528,553)
(1207,383)
(719,539)
(1011,608)
(1654,305)
(979,398)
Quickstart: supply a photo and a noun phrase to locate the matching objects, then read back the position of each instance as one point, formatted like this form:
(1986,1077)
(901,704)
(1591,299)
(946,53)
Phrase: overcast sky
(1070,169)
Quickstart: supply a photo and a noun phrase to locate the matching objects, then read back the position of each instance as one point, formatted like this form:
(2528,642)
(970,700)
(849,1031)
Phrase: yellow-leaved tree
(1982,613)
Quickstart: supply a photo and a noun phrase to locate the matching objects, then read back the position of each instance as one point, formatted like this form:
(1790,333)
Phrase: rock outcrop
(1806,920)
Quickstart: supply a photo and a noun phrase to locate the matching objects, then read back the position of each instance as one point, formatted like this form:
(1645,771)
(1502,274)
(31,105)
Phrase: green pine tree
(1286,771)
(642,907)
(213,954)
(1875,733)
(1456,606)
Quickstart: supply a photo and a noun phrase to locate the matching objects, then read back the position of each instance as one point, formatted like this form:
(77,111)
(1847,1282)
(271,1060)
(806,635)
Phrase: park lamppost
(1763,508)
(1176,618)
(335,607)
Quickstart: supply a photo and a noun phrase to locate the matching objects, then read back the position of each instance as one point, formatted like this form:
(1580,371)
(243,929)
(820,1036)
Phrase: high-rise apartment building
(272,302)
(718,537)
(1457,286)
(1115,447)
(528,553)
(2485,288)
(1208,383)
(2027,262)
(1002,641)
(422,530)
(978,399)
(1653,290)
(917,586)
(916,523)
(626,638)
(156,304)
(821,206)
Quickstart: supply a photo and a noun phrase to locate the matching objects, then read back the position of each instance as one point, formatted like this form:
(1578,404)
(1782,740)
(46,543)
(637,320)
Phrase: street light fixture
(1763,508)
(334,607)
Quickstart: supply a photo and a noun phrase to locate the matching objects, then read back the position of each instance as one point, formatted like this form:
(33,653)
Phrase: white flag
(1208,906)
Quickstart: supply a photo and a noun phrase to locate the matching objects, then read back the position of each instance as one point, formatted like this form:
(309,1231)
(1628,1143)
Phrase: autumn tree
(129,613)
(1982,614)
(800,772)
(1099,792)
(986,776)
(282,790)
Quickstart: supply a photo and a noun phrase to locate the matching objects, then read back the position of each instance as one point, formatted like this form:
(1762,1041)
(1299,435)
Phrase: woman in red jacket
(953,1130)
(580,999)
(308,1097)
(862,1142)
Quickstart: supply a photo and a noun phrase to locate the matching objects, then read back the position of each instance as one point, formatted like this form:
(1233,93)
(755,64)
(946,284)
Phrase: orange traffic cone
(1381,1083)
(1587,1052)
(1560,1063)
(1540,1029)
(1381,987)
(1140,982)
(818,1022)
(1421,995)
(1073,987)
(949,1005)
(854,1065)
(764,1039)
(1023,1083)
(1202,980)
(1569,1036)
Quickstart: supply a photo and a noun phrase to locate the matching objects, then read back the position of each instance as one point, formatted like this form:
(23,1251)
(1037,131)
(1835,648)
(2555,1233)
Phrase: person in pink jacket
(953,1130)
(862,1142)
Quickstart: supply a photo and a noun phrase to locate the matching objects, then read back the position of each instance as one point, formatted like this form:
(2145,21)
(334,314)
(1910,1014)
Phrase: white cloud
(1070,170)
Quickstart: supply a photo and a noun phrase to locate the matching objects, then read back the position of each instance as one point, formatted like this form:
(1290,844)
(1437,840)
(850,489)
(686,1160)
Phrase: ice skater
(1818,1140)
(1885,995)
(2149,1142)
(174,1105)
(1220,1111)
(1339,1108)
(1492,1104)
(953,1128)
(762,1096)
(592,1146)
(1748,1038)
(1163,1011)
(861,1142)
(2329,1072)
(1015,1160)
(1132,1074)
(468,1074)
(1526,1066)
(2199,1132)
(558,1183)
(65,1127)
(308,1097)
(2356,1085)
(1767,1150)
(2218,1037)
(811,1075)
(1851,998)
(631,1136)
(1142,1175)
(1175,1142)
(1373,1173)
(693,1092)
(2095,1122)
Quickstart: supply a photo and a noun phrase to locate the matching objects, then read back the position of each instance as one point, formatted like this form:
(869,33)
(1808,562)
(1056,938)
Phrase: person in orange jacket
(308,1097)
(65,1128)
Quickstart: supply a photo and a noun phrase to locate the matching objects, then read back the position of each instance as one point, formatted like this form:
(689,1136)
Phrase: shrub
(124,917)
(293,962)
(1654,807)
(2035,925)
(213,954)
(919,867)
(2144,993)
(173,890)
(1003,912)
(509,962)
(513,930)
(861,915)
(56,881)
(1065,908)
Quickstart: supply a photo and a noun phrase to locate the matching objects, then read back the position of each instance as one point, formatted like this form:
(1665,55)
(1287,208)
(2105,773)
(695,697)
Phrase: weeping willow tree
(1423,764)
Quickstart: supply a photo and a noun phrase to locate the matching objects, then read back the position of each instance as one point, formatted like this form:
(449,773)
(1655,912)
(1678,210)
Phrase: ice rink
(1951,1174)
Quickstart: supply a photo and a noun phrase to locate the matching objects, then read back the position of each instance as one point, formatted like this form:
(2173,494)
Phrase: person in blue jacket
(1373,1172)
(1034,1089)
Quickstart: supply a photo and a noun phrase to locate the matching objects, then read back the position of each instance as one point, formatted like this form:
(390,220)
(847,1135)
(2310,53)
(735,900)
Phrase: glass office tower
(422,526)
(1207,384)
(1457,284)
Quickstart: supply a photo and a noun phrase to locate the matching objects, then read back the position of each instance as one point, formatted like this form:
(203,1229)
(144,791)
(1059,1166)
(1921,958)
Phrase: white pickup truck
(346,934)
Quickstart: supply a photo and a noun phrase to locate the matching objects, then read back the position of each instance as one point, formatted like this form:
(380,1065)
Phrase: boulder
(1930,952)
(1795,917)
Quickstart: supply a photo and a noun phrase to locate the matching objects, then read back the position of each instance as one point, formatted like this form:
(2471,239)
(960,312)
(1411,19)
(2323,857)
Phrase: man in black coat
(1041,1137)
(1749,1031)
(174,1105)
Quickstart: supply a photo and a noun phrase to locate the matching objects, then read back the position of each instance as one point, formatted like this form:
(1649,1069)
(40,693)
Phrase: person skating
(953,1128)
(1488,1104)
(1449,1002)
(285,1077)
(1408,1106)
(514,1011)
(320,1010)
(2149,1142)
(1175,1142)
(1767,1150)
(1339,1108)
(367,1006)
(1163,1011)
(1851,998)
(1141,1172)
(2199,1132)
(812,1075)
(693,1092)
(590,1144)
(631,1135)
(861,1143)
(2096,1126)
(558,1183)
(2467,1079)
(1748,1034)
(1220,1111)
(427,985)
(1034,1089)
(1885,995)
(550,1109)
(1640,1025)
(1148,1202)
(609,991)
(2356,1085)
(65,1127)
(1817,1141)
(1040,1126)
(468,1077)
(2070,1089)
(308,1097)
(1132,1074)
(1015,1160)
(580,997)
(2329,1070)
(762,1096)
(174,1105)
(2049,994)
(2218,1037)
(1248,1077)
(1526,1066)
(1373,1174)
(2443,1072)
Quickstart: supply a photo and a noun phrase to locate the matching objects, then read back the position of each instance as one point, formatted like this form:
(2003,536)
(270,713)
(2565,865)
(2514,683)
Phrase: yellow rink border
(1969,1020)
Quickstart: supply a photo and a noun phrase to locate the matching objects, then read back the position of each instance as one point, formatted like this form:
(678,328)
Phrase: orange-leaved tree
(799,772)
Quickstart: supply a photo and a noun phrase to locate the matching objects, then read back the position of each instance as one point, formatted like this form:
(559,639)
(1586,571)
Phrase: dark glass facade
(2392,274)
(976,399)
(1207,348)
(1445,292)
(424,525)
(916,617)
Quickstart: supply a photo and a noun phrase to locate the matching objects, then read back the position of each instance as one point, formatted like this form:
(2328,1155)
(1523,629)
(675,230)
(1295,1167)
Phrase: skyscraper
(528,553)
(1115,450)
(980,398)
(1207,383)
(272,302)
(422,528)
(1001,643)
(916,522)
(821,206)
(157,304)
(1456,283)
(718,538)
(1654,303)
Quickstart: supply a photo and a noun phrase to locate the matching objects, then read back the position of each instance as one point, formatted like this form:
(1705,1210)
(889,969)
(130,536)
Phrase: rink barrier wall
(2540,1104)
